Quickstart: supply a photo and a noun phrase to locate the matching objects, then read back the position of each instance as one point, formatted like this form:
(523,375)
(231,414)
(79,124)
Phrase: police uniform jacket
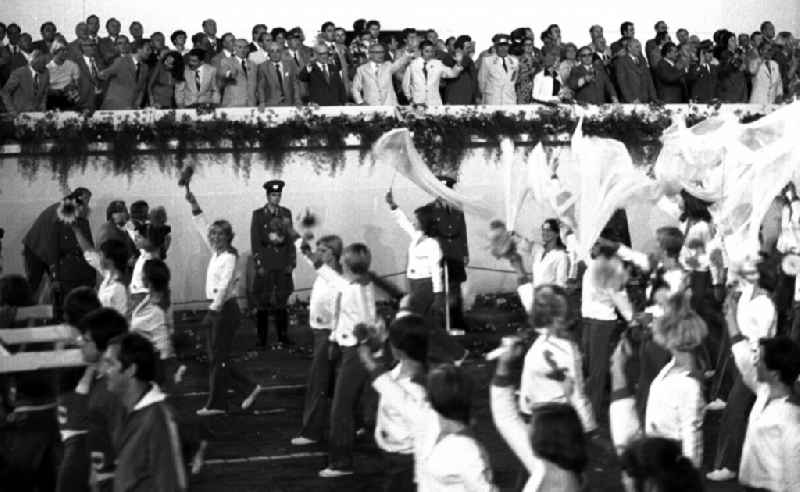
(267,255)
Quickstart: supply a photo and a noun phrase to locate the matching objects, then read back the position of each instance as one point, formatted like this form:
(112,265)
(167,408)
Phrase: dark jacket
(269,256)
(464,88)
(703,83)
(324,92)
(732,80)
(598,91)
(670,82)
(633,80)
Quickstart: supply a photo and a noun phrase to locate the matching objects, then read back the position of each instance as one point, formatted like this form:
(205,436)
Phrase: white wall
(479,19)
(349,203)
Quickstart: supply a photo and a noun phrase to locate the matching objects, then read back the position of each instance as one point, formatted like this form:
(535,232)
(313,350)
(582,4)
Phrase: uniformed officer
(452,235)
(274,258)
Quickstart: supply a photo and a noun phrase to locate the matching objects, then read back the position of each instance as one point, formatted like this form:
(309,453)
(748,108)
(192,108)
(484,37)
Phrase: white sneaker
(209,412)
(721,475)
(334,473)
(251,398)
(716,405)
(302,441)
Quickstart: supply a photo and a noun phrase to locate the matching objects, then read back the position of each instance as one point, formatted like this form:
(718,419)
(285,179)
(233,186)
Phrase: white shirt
(675,410)
(543,87)
(789,238)
(259,56)
(111,292)
(538,386)
(771,450)
(322,302)
(222,276)
(137,278)
(598,302)
(442,463)
(549,267)
(150,321)
(393,432)
(355,303)
(424,253)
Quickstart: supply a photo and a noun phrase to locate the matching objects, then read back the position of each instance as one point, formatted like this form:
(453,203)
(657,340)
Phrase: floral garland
(442,139)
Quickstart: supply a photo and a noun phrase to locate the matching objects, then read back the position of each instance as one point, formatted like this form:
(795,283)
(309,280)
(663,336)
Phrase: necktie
(197,79)
(36,83)
(138,70)
(505,67)
(296,61)
(280,76)
(425,71)
(377,69)
(244,68)
(93,66)
(556,83)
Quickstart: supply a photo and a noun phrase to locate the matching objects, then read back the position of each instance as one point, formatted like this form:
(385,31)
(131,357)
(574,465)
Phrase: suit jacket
(302,58)
(241,91)
(88,86)
(187,93)
(5,64)
(704,83)
(126,89)
(633,80)
(422,89)
(42,46)
(19,95)
(451,231)
(670,82)
(267,255)
(767,83)
(498,85)
(278,92)
(107,50)
(598,91)
(464,88)
(325,93)
(377,89)
(161,88)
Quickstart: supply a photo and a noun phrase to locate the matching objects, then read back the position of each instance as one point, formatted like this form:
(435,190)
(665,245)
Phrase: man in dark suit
(703,76)
(325,86)
(127,79)
(108,45)
(670,81)
(274,258)
(589,80)
(628,32)
(48,31)
(633,76)
(81,34)
(652,44)
(278,84)
(26,88)
(210,32)
(90,87)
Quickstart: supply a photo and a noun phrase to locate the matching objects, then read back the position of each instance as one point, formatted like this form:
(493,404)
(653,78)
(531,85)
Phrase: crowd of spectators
(365,65)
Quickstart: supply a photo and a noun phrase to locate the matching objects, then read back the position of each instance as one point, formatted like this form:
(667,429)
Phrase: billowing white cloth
(396,148)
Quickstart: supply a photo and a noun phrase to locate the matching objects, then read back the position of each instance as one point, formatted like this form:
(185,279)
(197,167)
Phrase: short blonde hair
(681,328)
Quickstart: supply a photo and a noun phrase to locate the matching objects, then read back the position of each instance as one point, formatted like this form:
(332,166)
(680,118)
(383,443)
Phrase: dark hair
(705,45)
(13,25)
(359,25)
(461,41)
(136,45)
(764,25)
(426,214)
(116,251)
(555,227)
(175,34)
(660,462)
(661,36)
(373,23)
(408,31)
(410,334)
(201,54)
(624,27)
(139,210)
(670,239)
(92,15)
(103,325)
(549,304)
(15,291)
(326,24)
(136,349)
(357,257)
(178,67)
(257,27)
(667,47)
(781,354)
(276,31)
(48,23)
(558,436)
(694,208)
(450,392)
(79,302)
(2,26)
(112,19)
(156,274)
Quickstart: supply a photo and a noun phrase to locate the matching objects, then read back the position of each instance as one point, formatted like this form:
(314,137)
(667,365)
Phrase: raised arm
(91,255)
(199,219)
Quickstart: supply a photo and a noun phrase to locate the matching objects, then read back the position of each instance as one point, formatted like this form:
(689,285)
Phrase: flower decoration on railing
(443,136)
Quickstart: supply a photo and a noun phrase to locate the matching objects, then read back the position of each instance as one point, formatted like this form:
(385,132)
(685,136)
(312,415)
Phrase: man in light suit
(424,74)
(200,82)
(498,73)
(277,79)
(228,41)
(127,79)
(372,84)
(26,88)
(324,79)
(238,77)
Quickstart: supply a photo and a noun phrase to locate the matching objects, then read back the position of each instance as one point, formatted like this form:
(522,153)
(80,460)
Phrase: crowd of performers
(635,346)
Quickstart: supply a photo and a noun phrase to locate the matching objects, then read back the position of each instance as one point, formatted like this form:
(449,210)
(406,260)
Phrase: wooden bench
(37,361)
